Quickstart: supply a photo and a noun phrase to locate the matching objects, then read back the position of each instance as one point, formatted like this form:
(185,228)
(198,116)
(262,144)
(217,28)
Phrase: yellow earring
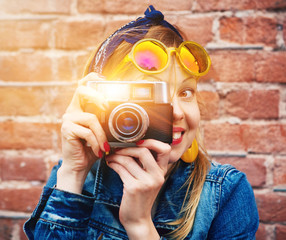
(191,154)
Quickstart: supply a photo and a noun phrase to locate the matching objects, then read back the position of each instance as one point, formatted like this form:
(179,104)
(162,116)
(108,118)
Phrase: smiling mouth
(177,137)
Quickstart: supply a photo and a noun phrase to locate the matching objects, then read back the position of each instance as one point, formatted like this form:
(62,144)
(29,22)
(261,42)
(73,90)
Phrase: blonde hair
(197,178)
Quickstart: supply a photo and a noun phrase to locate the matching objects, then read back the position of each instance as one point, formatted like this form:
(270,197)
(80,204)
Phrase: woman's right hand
(83,139)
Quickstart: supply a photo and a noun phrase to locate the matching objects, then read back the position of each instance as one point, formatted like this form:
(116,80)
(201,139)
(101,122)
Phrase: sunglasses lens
(150,56)
(194,58)
(189,60)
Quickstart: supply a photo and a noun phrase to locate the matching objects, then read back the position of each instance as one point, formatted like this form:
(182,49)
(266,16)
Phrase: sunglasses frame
(169,50)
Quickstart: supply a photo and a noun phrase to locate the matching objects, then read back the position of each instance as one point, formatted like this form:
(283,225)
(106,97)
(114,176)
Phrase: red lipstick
(178,133)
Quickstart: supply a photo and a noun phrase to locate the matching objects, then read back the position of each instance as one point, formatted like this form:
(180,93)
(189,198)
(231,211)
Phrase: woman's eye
(186,94)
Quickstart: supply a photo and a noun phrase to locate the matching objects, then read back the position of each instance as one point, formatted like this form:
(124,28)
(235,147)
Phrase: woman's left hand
(142,176)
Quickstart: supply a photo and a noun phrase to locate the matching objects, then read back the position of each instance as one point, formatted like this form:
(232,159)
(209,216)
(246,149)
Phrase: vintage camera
(137,110)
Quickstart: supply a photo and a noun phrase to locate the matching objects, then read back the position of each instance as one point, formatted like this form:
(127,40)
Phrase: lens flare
(112,92)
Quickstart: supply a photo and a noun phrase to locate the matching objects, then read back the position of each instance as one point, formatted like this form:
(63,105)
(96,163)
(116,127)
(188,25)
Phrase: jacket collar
(172,196)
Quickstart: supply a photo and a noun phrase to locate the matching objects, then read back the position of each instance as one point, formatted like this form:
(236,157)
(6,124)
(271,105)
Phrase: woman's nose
(178,113)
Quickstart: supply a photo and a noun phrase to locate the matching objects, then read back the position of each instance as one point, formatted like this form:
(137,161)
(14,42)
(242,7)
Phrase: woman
(155,190)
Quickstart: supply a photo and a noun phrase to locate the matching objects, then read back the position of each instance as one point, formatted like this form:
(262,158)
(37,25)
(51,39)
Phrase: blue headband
(152,18)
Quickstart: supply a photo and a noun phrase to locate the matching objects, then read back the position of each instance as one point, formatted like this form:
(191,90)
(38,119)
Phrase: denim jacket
(227,208)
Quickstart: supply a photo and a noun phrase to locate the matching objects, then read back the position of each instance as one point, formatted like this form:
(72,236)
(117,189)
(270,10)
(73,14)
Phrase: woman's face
(186,114)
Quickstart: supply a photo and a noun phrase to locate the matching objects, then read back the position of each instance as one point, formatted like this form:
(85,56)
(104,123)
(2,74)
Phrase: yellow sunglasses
(152,56)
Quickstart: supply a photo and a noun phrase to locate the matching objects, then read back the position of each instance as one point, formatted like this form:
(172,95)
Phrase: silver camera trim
(161,89)
(144,125)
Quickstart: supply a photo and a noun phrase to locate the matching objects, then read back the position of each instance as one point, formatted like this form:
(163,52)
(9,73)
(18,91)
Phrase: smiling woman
(112,185)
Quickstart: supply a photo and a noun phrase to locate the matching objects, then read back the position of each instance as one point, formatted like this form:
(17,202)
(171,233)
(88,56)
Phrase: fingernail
(100,154)
(106,147)
(139,142)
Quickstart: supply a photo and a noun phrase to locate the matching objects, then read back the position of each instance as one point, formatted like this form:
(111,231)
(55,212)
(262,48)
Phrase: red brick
(270,67)
(254,168)
(280,232)
(223,5)
(65,68)
(90,6)
(6,228)
(232,66)
(42,6)
(167,5)
(279,171)
(231,29)
(284,30)
(258,30)
(196,29)
(25,67)
(81,61)
(261,233)
(271,207)
(23,135)
(269,4)
(265,138)
(34,101)
(247,66)
(220,5)
(223,137)
(24,34)
(209,105)
(23,200)
(70,68)
(139,7)
(1,168)
(261,30)
(23,168)
(21,101)
(125,6)
(60,100)
(78,34)
(12,229)
(258,104)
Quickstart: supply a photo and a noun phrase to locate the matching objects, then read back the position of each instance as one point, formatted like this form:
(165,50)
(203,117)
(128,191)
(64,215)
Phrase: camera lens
(128,122)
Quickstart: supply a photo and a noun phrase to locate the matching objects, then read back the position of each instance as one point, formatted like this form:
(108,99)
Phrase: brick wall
(43,47)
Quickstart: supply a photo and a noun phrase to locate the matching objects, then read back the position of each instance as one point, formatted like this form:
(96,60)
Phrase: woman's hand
(83,139)
(143,177)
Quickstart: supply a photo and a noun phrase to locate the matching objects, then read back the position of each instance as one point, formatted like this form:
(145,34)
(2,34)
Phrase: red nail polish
(106,147)
(100,154)
(139,142)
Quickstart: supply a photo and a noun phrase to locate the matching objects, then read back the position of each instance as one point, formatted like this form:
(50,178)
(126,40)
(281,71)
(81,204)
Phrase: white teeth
(177,135)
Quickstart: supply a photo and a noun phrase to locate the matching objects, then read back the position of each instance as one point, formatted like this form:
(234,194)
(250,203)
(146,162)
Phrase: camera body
(137,110)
